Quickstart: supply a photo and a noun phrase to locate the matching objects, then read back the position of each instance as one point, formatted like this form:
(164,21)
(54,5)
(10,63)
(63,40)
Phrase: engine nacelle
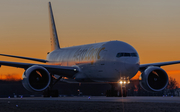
(154,79)
(36,78)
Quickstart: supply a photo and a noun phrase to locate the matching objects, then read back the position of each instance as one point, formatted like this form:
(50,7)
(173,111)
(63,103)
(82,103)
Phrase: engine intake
(36,78)
(154,79)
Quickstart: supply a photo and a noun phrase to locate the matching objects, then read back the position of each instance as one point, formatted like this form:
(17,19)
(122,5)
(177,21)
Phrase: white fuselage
(100,62)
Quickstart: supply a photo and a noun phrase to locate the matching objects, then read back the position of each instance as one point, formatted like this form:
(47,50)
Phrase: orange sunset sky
(152,27)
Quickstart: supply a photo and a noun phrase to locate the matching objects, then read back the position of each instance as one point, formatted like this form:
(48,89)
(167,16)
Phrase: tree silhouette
(172,85)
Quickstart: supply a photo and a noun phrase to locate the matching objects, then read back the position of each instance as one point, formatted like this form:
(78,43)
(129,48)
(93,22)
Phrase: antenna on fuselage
(53,32)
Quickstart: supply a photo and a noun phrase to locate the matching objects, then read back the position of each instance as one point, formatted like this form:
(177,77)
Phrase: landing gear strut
(118,89)
(124,91)
(49,92)
(113,92)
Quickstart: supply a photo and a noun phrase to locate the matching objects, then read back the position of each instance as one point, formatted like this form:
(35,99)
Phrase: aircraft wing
(144,66)
(27,58)
(55,69)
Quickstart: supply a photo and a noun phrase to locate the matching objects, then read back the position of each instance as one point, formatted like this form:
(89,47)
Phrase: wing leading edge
(27,58)
(144,66)
(54,69)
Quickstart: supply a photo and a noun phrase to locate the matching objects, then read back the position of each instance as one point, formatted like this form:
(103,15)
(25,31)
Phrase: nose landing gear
(118,89)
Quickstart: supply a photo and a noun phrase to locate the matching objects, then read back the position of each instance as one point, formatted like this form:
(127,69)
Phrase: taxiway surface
(106,99)
(90,104)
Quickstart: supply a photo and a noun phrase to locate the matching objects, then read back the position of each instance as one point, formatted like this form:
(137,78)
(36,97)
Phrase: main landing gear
(49,92)
(118,89)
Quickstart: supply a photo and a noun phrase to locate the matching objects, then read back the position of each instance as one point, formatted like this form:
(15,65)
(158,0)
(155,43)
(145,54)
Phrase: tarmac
(90,104)
(104,99)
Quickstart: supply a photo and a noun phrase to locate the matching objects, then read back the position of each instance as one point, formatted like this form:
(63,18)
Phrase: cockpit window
(119,55)
(134,54)
(126,55)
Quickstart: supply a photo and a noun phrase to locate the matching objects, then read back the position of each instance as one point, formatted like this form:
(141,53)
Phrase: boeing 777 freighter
(112,61)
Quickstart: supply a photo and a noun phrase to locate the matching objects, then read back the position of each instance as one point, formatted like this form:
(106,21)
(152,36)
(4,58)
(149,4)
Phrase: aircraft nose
(127,67)
(131,66)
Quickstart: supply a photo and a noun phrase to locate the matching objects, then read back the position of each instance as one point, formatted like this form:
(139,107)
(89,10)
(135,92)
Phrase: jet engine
(154,79)
(36,78)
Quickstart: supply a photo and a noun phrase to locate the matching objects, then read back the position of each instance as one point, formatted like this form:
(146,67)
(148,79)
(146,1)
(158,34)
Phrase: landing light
(124,80)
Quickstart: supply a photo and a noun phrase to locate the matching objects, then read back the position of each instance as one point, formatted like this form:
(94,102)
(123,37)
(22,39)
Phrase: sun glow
(11,77)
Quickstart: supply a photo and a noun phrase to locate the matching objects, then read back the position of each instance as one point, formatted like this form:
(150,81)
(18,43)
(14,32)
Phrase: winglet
(54,36)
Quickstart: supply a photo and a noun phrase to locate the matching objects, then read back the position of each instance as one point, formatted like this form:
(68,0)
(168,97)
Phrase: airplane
(107,62)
